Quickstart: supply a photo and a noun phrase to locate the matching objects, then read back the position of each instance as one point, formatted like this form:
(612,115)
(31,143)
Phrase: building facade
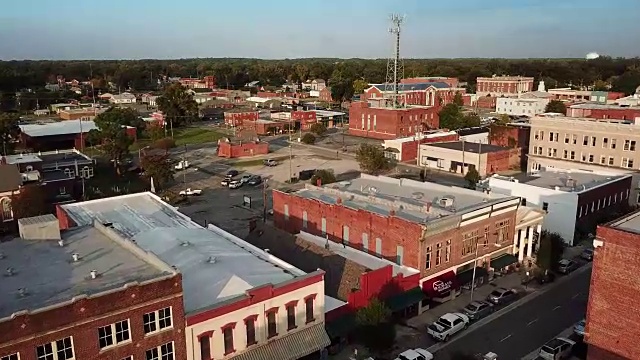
(612,315)
(600,111)
(521,106)
(325,95)
(236,117)
(406,149)
(235,149)
(507,86)
(422,94)
(390,123)
(459,157)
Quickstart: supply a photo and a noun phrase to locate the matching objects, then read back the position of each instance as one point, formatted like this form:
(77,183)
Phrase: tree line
(619,74)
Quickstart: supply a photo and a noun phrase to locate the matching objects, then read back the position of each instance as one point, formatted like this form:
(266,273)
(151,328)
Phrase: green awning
(465,277)
(405,299)
(503,261)
(341,326)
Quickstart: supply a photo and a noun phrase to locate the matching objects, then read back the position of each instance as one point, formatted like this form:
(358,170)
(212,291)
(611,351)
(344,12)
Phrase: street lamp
(290,162)
(475,266)
(264,201)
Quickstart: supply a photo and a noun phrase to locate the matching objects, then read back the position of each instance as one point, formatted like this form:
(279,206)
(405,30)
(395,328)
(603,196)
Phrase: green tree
(550,250)
(556,106)
(457,99)
(371,159)
(155,133)
(600,85)
(177,105)
(359,86)
(376,331)
(31,201)
(472,177)
(325,177)
(318,129)
(158,167)
(503,119)
(308,138)
(9,132)
(451,117)
(112,133)
(470,120)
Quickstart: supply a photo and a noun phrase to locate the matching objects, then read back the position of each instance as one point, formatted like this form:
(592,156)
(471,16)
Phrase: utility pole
(264,201)
(475,266)
(290,162)
(463,156)
(184,169)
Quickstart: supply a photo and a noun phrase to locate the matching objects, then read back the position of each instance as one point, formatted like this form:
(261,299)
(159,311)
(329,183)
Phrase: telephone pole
(395,67)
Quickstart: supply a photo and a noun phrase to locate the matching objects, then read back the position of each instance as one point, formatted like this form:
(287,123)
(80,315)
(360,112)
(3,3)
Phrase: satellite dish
(592,55)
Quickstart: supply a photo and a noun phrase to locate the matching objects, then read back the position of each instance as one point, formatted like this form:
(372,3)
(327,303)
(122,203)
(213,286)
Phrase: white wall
(314,93)
(447,156)
(527,107)
(561,216)
(482,138)
(238,316)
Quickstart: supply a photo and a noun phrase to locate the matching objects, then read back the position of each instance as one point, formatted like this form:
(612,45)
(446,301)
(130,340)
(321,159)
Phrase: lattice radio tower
(395,66)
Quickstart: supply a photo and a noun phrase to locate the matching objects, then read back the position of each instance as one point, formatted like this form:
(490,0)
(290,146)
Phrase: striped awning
(290,347)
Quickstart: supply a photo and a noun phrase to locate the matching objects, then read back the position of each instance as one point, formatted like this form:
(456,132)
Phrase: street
(527,327)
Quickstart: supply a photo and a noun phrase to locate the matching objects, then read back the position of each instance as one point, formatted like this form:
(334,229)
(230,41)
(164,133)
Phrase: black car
(232,173)
(255,180)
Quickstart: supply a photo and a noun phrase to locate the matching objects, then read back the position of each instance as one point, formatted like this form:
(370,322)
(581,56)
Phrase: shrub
(308,138)
(164,144)
(318,129)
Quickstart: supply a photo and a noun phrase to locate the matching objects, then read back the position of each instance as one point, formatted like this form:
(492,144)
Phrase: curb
(534,354)
(527,298)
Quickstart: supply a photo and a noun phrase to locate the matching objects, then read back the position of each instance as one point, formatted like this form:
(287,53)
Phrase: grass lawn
(182,136)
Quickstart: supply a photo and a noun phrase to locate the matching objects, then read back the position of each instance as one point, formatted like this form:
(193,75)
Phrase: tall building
(507,86)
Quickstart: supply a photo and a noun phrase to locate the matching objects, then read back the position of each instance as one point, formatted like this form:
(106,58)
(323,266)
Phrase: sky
(278,29)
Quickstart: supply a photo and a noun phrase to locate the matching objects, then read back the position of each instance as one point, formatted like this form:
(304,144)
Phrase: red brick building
(340,213)
(235,149)
(406,149)
(487,102)
(599,111)
(452,82)
(460,156)
(325,95)
(512,136)
(389,123)
(237,117)
(509,86)
(305,118)
(118,305)
(612,329)
(423,94)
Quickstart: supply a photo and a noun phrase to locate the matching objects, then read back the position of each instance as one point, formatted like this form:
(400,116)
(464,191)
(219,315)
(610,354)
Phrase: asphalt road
(527,327)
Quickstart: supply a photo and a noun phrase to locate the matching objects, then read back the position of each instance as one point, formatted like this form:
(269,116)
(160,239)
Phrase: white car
(557,349)
(415,354)
(235,184)
(182,164)
(245,178)
(447,326)
(191,192)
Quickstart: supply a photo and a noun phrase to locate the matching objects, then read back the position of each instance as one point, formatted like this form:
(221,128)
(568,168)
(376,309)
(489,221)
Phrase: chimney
(76,257)
(94,274)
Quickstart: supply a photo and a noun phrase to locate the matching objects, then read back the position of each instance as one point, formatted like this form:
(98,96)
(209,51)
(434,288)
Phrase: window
(427,263)
(162,352)
(593,141)
(345,233)
(250,325)
(205,347)
(523,201)
(565,154)
(502,230)
(447,252)
(605,143)
(86,172)
(130,357)
(438,253)
(585,140)
(485,237)
(549,151)
(545,206)
(304,219)
(572,155)
(286,212)
(566,138)
(291,316)
(399,255)
(555,153)
(535,150)
(469,241)
(574,139)
(590,158)
(272,325)
(603,160)
(10,357)
(629,145)
(227,337)
(7,213)
(308,308)
(62,190)
(69,172)
(113,334)
(611,161)
(56,350)
(627,163)
(583,157)
(157,320)
(365,242)
(613,143)
(379,246)
(632,146)
(324,227)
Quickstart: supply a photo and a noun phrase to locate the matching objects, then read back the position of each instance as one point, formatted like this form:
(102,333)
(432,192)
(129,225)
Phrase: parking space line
(505,338)
(556,308)
(532,321)
(575,296)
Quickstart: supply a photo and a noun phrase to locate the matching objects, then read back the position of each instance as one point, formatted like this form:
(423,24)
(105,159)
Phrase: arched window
(69,172)
(5,207)
(29,168)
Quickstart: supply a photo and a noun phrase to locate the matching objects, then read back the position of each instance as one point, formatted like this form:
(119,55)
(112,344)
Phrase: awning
(466,277)
(441,286)
(404,300)
(290,347)
(342,326)
(503,261)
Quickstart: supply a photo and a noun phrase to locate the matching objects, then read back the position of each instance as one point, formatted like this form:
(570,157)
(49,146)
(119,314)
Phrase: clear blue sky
(133,29)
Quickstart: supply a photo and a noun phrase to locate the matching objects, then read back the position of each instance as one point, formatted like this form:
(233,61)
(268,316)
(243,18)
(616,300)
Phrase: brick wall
(612,312)
(498,161)
(81,319)
(325,95)
(386,123)
(487,102)
(231,150)
(238,118)
(409,150)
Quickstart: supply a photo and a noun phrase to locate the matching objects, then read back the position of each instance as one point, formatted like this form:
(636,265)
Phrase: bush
(164,144)
(318,129)
(325,176)
(372,160)
(308,138)
(550,250)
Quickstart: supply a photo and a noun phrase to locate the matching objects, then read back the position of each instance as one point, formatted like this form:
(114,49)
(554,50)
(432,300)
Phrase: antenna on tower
(395,67)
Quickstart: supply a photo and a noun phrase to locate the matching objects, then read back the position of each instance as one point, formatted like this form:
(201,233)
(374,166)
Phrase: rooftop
(472,131)
(412,86)
(468,146)
(326,113)
(630,223)
(567,181)
(411,200)
(58,128)
(505,78)
(50,158)
(603,106)
(215,265)
(49,276)
(10,179)
(435,134)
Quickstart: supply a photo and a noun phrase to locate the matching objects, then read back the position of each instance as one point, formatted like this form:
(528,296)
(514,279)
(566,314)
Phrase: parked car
(255,180)
(181,165)
(578,328)
(226,181)
(232,173)
(545,277)
(557,349)
(191,192)
(478,309)
(587,254)
(502,296)
(447,326)
(235,184)
(566,266)
(415,354)
(270,162)
(245,178)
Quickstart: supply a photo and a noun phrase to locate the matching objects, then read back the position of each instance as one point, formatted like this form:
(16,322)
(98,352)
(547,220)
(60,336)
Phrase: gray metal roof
(412,87)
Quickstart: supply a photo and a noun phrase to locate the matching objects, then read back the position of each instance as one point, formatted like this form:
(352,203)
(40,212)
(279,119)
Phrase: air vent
(373,189)
(10,271)
(93,274)
(22,292)
(445,202)
(75,257)
(61,243)
(212,260)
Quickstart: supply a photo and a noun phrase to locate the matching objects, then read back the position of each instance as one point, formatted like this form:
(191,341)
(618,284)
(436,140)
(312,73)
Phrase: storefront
(407,304)
(442,288)
(466,277)
(503,263)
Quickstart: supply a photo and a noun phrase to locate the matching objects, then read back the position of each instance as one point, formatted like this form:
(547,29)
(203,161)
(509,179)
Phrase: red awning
(441,286)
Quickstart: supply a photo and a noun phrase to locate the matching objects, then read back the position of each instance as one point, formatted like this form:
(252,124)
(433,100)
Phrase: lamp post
(264,201)
(290,162)
(475,266)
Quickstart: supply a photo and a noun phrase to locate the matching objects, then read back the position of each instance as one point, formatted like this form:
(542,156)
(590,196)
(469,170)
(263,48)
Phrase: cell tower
(395,66)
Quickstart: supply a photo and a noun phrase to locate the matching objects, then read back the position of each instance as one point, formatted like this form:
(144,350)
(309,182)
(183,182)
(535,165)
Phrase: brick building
(461,156)
(429,227)
(60,135)
(612,329)
(423,94)
(389,123)
(305,119)
(452,82)
(240,302)
(513,136)
(325,95)
(88,295)
(406,149)
(486,102)
(507,86)
(600,111)
(237,148)
(80,114)
(237,117)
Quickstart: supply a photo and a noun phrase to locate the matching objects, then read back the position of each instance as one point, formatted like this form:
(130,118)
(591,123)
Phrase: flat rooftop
(327,113)
(630,223)
(50,158)
(411,200)
(215,265)
(567,181)
(67,127)
(468,146)
(50,276)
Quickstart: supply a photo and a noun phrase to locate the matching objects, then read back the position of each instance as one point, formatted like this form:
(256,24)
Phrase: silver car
(476,310)
(557,349)
(501,296)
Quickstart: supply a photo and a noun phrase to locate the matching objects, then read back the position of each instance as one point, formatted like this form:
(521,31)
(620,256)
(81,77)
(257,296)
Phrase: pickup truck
(447,326)
(182,164)
(190,192)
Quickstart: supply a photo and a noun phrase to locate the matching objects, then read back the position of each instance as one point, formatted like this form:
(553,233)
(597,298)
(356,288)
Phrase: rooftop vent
(211,260)
(373,189)
(417,195)
(61,243)
(10,271)
(185,243)
(445,202)
(1,255)
(94,274)
(75,257)
(22,292)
